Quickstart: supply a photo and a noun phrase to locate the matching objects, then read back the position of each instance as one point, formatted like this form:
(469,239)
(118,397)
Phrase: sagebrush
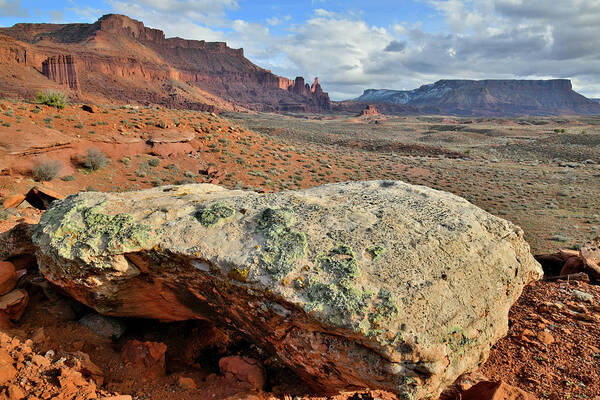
(46,170)
(95,159)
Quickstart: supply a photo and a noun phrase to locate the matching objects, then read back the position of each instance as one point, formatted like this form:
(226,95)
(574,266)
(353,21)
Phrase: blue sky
(354,45)
(258,11)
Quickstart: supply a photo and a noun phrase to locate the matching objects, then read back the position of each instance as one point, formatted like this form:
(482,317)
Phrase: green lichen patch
(385,309)
(275,220)
(341,262)
(342,298)
(338,298)
(79,231)
(457,341)
(283,246)
(214,213)
(376,251)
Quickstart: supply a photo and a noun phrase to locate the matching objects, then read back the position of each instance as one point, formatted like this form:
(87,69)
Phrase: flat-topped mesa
(153,69)
(378,284)
(121,24)
(501,97)
(62,70)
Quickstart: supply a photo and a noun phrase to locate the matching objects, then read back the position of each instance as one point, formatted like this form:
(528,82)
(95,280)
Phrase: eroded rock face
(61,69)
(369,111)
(173,72)
(373,284)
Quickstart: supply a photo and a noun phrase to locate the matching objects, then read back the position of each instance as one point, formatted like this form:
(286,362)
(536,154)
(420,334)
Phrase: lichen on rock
(349,284)
(214,213)
(341,262)
(376,251)
(80,230)
(283,246)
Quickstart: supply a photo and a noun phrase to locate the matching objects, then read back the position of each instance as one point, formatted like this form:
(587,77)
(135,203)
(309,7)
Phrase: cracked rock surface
(376,284)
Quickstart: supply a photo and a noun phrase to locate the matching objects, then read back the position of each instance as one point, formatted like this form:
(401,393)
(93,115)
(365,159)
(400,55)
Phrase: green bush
(52,99)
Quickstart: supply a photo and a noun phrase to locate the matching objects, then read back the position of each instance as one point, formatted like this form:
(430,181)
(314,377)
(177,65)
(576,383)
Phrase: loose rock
(243,369)
(8,277)
(13,305)
(144,359)
(496,391)
(582,296)
(103,326)
(375,284)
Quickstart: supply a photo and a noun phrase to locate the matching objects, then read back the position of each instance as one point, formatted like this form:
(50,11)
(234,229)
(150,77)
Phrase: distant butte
(118,59)
(484,98)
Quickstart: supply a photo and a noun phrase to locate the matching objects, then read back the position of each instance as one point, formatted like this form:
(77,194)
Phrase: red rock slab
(8,277)
(590,253)
(244,369)
(14,201)
(145,360)
(496,391)
(13,304)
(572,266)
(159,136)
(41,197)
(28,138)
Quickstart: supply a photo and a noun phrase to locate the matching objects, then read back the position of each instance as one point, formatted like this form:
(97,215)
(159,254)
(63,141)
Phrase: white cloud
(482,39)
(12,8)
(206,12)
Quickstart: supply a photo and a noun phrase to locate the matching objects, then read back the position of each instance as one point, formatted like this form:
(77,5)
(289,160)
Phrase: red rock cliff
(121,60)
(61,69)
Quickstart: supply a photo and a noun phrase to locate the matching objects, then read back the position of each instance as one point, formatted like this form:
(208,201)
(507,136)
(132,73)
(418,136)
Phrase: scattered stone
(244,369)
(14,201)
(568,253)
(590,254)
(462,384)
(582,296)
(103,326)
(573,265)
(496,391)
(8,277)
(41,197)
(15,393)
(89,108)
(40,360)
(13,305)
(186,383)
(87,368)
(7,371)
(545,337)
(16,242)
(293,272)
(144,359)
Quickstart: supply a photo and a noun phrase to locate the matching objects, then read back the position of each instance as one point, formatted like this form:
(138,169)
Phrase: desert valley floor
(542,173)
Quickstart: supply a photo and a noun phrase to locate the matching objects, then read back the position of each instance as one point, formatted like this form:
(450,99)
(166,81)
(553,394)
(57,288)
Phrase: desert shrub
(52,99)
(67,178)
(4,215)
(95,159)
(46,170)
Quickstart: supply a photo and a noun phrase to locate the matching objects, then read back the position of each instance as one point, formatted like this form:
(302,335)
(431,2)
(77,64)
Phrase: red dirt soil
(552,349)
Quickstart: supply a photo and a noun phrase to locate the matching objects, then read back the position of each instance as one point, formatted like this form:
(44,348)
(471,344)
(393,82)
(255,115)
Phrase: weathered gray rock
(373,284)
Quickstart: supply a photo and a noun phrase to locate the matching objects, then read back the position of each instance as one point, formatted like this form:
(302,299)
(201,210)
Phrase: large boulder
(375,284)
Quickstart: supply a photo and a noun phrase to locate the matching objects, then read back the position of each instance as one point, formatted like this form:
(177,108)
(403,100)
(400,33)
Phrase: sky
(354,45)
